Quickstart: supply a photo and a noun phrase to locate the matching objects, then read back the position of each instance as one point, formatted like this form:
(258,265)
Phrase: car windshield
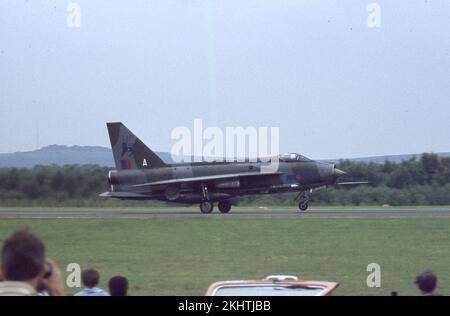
(293,157)
(269,290)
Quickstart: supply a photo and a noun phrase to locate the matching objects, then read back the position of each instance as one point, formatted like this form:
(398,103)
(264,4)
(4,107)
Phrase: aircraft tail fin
(129,151)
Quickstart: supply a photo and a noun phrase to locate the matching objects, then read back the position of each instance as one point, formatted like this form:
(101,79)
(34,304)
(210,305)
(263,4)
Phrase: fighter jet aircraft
(141,175)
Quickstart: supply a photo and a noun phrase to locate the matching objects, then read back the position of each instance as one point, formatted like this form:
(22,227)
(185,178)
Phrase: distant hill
(81,155)
(64,155)
(391,158)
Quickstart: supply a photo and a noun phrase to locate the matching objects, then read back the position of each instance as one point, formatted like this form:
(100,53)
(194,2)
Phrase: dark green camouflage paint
(146,167)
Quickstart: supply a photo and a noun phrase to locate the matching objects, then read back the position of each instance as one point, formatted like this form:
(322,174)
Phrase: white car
(274,285)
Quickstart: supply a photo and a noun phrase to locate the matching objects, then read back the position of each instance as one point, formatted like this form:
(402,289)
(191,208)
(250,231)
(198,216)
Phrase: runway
(370,212)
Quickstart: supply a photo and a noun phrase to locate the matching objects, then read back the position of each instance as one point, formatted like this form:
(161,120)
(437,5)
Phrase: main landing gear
(206,207)
(224,206)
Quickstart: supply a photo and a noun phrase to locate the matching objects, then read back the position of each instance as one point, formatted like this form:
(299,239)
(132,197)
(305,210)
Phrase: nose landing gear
(303,205)
(303,200)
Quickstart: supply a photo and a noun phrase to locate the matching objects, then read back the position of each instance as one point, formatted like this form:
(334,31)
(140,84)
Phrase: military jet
(141,175)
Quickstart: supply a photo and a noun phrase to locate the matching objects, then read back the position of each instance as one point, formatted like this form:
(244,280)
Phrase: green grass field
(182,256)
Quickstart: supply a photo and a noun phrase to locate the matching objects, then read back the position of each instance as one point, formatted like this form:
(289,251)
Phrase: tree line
(424,181)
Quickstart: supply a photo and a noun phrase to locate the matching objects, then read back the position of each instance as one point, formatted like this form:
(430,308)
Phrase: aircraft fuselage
(292,176)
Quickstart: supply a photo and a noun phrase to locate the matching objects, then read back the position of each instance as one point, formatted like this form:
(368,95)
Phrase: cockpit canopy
(292,157)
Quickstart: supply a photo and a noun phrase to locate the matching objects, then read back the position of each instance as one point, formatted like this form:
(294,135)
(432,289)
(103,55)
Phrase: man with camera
(25,270)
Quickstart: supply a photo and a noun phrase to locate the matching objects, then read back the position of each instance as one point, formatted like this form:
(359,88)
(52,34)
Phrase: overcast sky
(334,86)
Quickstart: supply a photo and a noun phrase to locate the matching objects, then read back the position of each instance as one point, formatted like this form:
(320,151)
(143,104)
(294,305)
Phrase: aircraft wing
(352,183)
(207,178)
(123,195)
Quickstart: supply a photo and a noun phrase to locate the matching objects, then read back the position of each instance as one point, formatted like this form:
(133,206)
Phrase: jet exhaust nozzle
(338,173)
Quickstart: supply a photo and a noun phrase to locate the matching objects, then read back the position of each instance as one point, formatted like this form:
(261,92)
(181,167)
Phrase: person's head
(90,278)
(426,282)
(118,286)
(23,257)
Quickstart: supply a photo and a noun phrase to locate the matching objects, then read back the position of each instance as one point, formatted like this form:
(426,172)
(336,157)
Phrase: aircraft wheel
(206,207)
(303,206)
(224,207)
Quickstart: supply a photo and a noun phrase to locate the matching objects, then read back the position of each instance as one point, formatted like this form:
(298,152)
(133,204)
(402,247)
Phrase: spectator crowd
(25,270)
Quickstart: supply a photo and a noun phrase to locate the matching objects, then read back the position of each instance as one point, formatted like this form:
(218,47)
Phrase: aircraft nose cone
(338,173)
